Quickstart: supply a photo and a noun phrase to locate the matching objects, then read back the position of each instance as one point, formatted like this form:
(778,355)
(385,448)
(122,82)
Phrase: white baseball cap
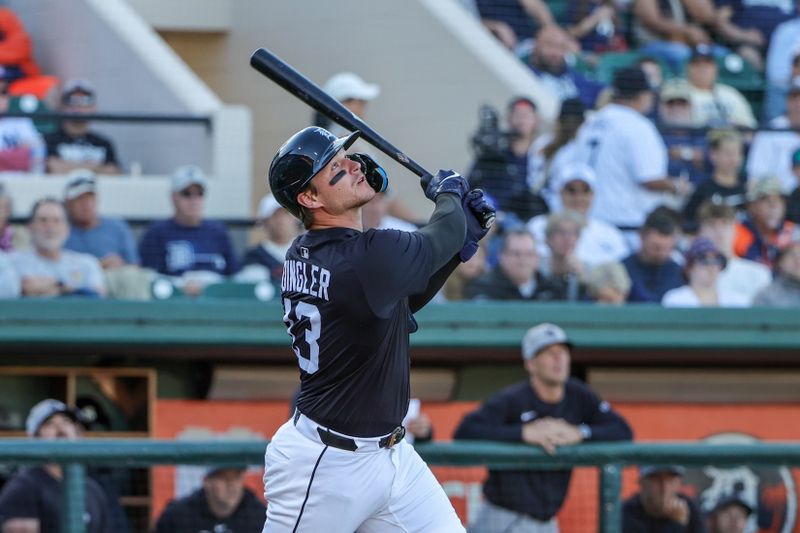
(540,337)
(80,182)
(346,86)
(186,176)
(267,207)
(42,411)
(572,172)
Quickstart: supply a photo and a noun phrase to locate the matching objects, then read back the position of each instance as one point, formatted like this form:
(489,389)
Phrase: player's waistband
(314,431)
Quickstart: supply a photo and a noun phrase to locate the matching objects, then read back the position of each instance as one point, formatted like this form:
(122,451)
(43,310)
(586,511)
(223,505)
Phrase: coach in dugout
(549,409)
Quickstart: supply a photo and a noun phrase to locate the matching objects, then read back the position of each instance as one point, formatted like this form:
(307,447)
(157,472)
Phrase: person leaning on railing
(550,409)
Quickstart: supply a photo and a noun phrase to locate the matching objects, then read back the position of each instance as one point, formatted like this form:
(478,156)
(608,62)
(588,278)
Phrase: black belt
(345,443)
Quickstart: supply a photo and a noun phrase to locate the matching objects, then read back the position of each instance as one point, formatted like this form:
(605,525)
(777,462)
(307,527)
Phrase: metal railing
(610,458)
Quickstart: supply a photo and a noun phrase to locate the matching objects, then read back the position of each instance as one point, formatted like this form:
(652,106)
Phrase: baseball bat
(309,92)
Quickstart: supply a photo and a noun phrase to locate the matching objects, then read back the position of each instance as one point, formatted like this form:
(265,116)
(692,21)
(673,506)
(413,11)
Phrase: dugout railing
(610,458)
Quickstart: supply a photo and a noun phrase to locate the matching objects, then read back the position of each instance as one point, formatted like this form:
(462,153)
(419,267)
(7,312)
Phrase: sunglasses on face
(709,260)
(188,193)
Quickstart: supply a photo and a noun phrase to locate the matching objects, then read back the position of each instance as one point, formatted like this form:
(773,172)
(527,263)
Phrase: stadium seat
(738,73)
(29,103)
(612,61)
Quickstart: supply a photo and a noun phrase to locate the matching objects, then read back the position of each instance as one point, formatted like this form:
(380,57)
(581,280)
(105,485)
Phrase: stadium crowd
(654,185)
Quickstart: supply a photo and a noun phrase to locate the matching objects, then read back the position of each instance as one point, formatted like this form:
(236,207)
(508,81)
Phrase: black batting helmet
(300,159)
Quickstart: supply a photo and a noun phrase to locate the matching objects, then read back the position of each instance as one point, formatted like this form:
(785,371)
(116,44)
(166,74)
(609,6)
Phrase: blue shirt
(649,283)
(109,236)
(570,83)
(173,249)
(763,15)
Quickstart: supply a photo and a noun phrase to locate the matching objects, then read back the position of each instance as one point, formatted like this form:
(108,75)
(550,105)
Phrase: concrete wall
(134,71)
(434,62)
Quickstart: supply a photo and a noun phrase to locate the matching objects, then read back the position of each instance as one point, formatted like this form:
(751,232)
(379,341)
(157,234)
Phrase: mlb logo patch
(304,252)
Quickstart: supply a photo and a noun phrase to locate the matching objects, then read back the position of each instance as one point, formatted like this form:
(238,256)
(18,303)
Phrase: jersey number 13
(304,326)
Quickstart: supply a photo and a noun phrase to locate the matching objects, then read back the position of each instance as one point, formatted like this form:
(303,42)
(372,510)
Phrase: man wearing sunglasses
(188,247)
(74,145)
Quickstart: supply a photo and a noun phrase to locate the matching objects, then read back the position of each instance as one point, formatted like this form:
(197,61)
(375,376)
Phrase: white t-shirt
(771,153)
(599,241)
(722,105)
(625,150)
(74,270)
(744,278)
(20,131)
(685,297)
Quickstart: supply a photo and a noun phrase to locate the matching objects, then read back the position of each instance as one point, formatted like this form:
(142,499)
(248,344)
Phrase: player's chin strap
(376,176)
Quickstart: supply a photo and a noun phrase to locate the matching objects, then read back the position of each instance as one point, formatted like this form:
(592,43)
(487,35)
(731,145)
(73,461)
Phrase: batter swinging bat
(306,90)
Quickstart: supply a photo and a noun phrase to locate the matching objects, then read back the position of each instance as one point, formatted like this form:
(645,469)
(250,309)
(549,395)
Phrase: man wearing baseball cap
(549,409)
(31,500)
(730,514)
(188,246)
(659,507)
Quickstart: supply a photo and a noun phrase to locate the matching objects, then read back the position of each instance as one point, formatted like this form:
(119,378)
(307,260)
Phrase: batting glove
(476,209)
(444,181)
(376,176)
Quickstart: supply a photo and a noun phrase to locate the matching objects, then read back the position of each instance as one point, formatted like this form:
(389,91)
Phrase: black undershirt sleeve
(446,229)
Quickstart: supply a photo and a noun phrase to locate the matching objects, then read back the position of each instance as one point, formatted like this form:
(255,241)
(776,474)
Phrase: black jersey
(345,299)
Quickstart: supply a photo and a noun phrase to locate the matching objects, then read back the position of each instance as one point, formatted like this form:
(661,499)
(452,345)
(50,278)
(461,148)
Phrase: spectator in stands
(222,504)
(549,62)
(357,95)
(375,214)
(764,229)
(108,239)
(550,409)
(714,103)
(783,66)
(516,276)
(630,181)
(280,229)
(74,145)
(651,269)
(464,273)
(724,185)
(31,501)
(562,268)
(550,153)
(792,202)
(48,269)
(17,64)
(609,283)
(784,291)
(747,27)
(9,281)
(659,506)
(704,263)
(668,30)
(21,146)
(6,231)
(771,152)
(514,22)
(730,515)
(187,246)
(599,241)
(502,165)
(597,25)
(740,276)
(686,146)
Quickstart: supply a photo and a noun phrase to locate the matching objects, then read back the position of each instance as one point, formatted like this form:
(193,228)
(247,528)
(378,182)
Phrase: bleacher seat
(262,291)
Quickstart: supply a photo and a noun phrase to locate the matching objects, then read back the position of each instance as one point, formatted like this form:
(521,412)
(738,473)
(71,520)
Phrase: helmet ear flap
(375,174)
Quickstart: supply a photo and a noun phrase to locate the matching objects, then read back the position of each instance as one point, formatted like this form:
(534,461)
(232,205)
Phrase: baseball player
(340,464)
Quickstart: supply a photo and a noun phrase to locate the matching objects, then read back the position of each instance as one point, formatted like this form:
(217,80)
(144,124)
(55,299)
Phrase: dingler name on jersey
(299,276)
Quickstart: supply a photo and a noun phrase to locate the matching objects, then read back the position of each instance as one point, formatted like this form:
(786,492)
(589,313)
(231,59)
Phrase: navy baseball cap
(630,81)
(701,51)
(733,499)
(649,470)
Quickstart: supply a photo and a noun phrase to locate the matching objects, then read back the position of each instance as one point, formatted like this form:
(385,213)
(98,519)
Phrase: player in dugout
(340,464)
